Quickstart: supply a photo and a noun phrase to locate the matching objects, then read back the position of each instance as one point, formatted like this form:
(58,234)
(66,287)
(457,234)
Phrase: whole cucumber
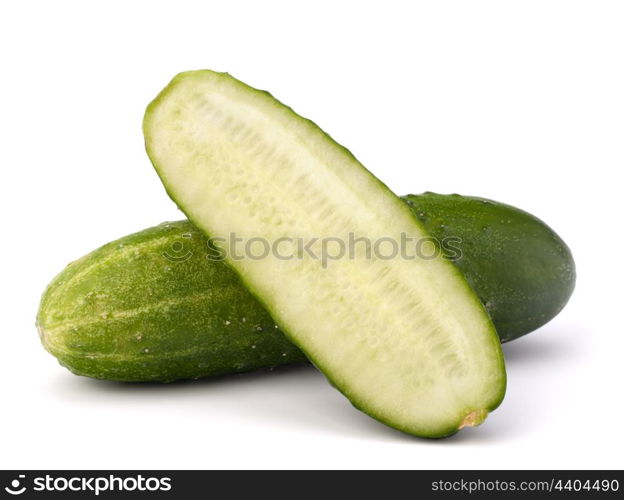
(153,307)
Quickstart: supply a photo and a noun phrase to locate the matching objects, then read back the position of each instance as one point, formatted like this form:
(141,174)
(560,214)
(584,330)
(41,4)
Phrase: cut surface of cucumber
(406,340)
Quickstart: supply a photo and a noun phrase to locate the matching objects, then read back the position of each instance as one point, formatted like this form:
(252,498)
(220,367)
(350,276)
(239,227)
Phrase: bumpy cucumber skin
(81,318)
(523,272)
(143,309)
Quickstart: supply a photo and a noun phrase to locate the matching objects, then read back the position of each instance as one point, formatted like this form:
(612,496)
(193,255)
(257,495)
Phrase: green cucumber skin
(523,272)
(126,312)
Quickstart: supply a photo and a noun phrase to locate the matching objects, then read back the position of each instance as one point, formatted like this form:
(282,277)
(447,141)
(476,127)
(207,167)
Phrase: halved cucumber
(406,340)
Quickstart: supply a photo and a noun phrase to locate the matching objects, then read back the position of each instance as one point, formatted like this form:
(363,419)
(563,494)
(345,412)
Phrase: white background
(522,102)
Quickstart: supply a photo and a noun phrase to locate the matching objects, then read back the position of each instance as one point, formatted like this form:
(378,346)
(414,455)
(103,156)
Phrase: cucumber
(522,271)
(152,307)
(406,341)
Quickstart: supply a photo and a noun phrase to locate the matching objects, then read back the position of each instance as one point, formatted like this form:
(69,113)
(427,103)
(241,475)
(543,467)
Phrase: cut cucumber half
(405,339)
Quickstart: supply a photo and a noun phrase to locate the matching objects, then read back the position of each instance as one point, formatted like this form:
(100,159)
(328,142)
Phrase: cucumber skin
(522,271)
(126,312)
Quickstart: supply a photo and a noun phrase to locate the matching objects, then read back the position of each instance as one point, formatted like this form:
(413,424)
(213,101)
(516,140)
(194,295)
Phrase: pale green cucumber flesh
(407,341)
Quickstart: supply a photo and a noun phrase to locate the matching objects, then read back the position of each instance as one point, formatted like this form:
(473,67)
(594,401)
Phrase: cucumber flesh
(407,341)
